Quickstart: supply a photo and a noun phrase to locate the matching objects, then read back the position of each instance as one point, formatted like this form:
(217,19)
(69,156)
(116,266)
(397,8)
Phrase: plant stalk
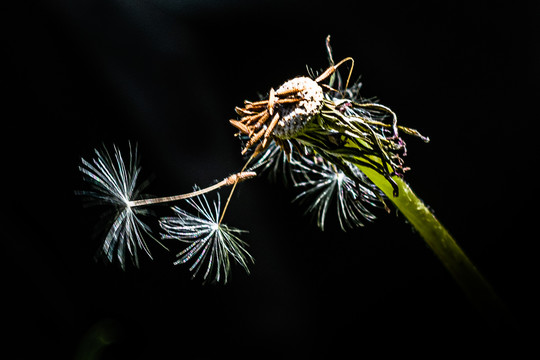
(231,180)
(474,285)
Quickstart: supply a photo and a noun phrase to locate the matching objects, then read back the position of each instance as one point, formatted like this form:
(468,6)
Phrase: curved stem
(231,180)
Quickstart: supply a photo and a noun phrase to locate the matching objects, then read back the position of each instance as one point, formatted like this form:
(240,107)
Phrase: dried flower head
(344,130)
(210,242)
(114,184)
(294,116)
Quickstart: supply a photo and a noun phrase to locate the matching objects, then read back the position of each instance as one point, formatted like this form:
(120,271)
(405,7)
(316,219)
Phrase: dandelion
(317,129)
(114,183)
(210,242)
(310,115)
(321,182)
(306,113)
(324,182)
(276,163)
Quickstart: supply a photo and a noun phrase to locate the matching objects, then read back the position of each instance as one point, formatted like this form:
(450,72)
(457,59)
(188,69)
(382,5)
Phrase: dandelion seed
(210,242)
(276,163)
(114,183)
(324,182)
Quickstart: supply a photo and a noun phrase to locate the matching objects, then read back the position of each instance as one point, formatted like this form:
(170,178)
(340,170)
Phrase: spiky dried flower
(114,183)
(309,119)
(210,242)
(334,123)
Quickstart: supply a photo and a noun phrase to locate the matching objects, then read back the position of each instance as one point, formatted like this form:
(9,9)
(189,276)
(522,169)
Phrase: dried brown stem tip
(239,177)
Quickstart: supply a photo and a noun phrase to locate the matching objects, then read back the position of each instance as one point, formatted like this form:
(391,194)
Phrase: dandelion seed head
(295,116)
(113,182)
(211,244)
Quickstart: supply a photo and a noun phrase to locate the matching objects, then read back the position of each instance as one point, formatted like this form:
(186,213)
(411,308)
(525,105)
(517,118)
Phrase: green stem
(476,288)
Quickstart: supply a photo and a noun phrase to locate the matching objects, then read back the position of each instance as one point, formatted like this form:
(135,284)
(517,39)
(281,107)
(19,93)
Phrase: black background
(167,75)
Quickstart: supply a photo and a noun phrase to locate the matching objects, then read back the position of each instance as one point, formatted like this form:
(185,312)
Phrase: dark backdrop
(167,75)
